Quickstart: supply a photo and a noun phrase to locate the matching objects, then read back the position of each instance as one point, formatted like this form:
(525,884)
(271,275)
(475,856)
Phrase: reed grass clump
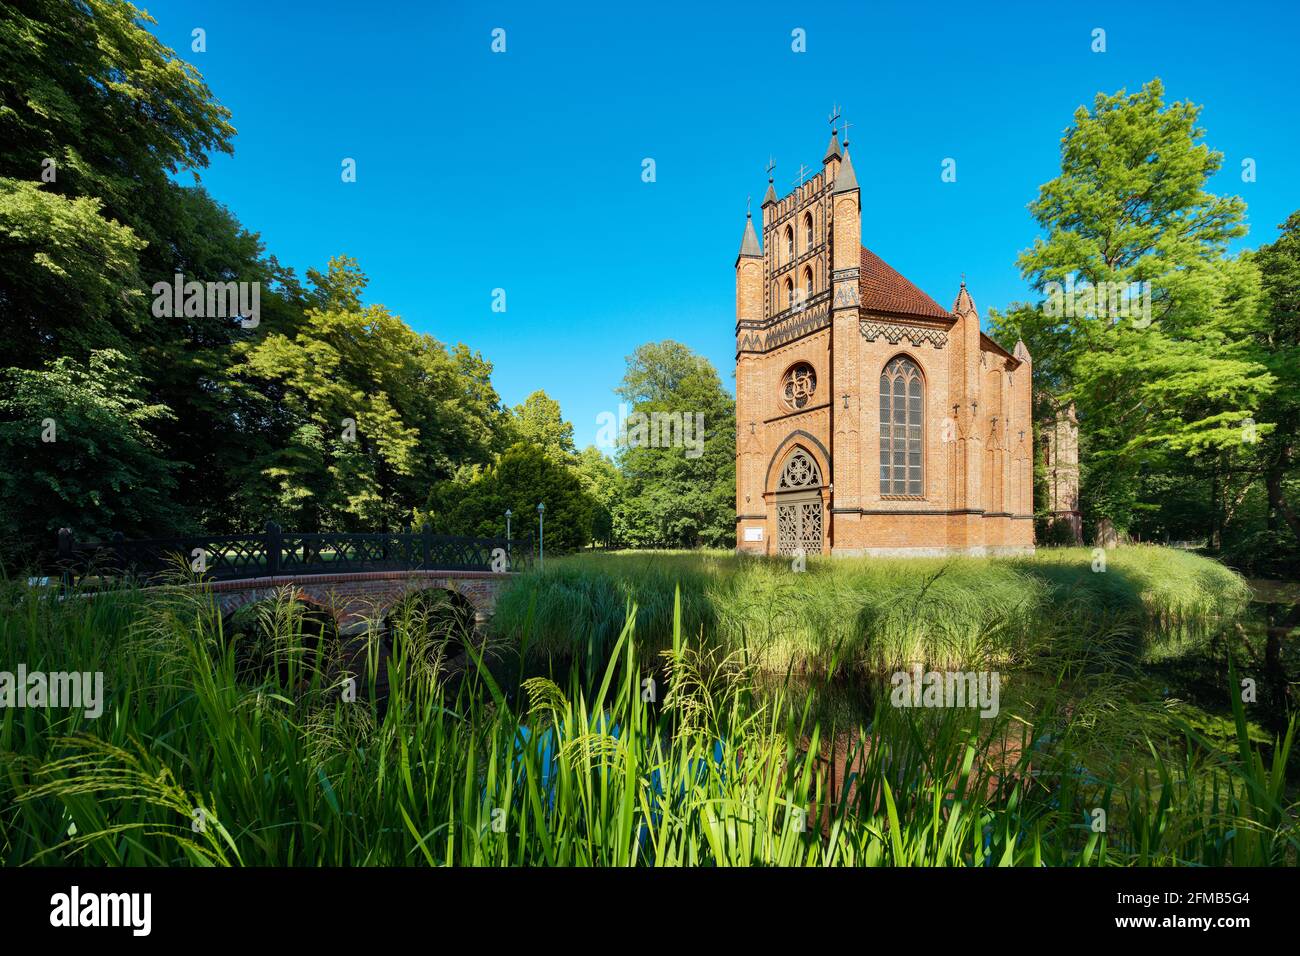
(872,616)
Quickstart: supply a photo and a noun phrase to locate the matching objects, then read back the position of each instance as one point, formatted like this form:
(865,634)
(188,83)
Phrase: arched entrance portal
(799,519)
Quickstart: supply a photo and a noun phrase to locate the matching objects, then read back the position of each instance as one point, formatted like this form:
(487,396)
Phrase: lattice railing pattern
(277,552)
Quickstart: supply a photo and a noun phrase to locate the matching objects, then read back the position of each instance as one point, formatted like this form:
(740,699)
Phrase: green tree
(192,364)
(676,493)
(476,500)
(84,82)
(97,118)
(372,410)
(539,421)
(101,117)
(1277,347)
(604,485)
(1158,388)
(77,453)
(68,276)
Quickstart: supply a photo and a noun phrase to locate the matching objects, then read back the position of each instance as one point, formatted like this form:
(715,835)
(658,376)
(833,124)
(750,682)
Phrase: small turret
(963,304)
(749,246)
(845,180)
(833,150)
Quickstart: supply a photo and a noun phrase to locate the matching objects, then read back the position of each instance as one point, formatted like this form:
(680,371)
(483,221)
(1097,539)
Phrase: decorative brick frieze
(894,332)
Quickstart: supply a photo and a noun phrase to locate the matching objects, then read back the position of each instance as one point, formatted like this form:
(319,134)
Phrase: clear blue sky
(523,170)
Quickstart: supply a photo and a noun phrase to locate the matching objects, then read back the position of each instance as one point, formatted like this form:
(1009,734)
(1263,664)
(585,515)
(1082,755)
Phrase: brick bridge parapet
(356,598)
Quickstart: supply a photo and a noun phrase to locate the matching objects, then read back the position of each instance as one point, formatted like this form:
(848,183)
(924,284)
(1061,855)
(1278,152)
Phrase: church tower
(869,419)
(749,324)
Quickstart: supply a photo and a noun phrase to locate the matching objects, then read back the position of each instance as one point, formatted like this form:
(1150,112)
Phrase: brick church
(869,419)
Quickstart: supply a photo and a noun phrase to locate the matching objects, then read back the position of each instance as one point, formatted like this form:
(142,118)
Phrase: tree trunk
(1215,537)
(1280,624)
(1277,502)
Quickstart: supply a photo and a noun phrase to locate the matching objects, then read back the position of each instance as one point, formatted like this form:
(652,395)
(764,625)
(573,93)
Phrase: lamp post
(508,513)
(541,533)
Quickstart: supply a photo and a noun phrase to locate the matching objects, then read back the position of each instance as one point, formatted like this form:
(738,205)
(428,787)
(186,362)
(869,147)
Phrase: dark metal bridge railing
(278,552)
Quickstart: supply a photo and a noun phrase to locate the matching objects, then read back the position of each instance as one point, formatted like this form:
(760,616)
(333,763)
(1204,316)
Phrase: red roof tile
(884,290)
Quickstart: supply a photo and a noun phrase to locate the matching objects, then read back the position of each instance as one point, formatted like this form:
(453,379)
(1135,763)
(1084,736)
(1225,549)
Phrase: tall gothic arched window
(902,425)
(807,283)
(807,231)
(789,293)
(789,243)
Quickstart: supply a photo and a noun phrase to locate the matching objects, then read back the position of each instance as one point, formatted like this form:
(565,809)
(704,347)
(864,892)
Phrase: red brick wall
(354,597)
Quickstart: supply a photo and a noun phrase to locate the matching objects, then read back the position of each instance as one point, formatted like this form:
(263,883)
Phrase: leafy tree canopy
(77,453)
(539,421)
(679,492)
(476,501)
(1146,324)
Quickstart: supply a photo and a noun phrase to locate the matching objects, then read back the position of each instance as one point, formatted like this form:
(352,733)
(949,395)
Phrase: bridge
(355,577)
(354,600)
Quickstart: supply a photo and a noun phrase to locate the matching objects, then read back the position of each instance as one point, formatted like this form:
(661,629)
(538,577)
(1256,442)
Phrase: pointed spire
(964,304)
(749,241)
(1021,352)
(770,197)
(846,180)
(833,150)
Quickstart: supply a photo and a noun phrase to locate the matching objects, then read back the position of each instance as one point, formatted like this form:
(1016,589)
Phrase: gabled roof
(988,345)
(884,290)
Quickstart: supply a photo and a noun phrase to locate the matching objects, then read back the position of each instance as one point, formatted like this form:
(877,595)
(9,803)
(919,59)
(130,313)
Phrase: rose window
(798,385)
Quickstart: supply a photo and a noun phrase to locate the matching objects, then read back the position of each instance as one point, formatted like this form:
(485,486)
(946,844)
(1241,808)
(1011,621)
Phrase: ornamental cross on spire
(835,115)
(845,130)
(803,174)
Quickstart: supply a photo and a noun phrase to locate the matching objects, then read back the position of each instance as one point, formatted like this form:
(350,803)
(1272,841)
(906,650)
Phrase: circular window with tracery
(798,385)
(800,471)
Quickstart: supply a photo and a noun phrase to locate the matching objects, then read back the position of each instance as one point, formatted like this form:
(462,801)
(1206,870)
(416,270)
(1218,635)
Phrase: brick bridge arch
(353,599)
